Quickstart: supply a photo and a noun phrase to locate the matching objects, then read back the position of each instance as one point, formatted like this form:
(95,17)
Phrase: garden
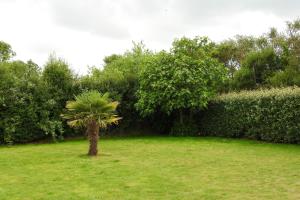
(201,120)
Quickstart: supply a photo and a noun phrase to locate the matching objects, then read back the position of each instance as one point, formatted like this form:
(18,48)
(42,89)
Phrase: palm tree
(92,110)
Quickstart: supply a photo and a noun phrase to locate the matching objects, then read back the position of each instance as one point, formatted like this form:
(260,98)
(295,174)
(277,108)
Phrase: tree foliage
(60,81)
(25,104)
(184,78)
(119,77)
(91,106)
(273,59)
(6,51)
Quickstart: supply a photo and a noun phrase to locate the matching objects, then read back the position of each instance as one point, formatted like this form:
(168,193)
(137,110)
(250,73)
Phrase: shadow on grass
(91,157)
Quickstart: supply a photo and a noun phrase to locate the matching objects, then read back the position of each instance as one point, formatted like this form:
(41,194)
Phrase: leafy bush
(270,115)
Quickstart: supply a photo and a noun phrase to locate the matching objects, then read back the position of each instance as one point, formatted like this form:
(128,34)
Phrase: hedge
(271,115)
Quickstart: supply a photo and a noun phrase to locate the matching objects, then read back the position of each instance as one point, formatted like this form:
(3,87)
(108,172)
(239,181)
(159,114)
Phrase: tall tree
(183,79)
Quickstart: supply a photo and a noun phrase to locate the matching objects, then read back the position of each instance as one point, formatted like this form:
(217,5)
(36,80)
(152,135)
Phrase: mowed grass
(151,168)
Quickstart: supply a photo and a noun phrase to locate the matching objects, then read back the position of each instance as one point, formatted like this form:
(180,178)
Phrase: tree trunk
(93,135)
(181,116)
(254,75)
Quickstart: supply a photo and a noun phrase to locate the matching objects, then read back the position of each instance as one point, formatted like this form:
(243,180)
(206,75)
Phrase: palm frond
(91,106)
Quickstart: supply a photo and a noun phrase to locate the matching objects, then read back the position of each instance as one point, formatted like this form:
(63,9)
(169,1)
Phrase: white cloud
(84,31)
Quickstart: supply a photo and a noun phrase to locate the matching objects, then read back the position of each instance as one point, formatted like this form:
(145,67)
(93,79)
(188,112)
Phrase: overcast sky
(83,32)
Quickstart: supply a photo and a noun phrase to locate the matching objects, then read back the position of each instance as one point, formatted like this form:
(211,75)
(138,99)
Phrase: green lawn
(151,168)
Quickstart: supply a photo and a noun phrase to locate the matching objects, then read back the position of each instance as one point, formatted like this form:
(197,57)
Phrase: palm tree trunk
(93,134)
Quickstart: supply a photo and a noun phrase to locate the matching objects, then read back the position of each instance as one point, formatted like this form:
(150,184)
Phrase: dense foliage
(163,90)
(25,104)
(185,78)
(270,115)
(119,77)
(180,81)
(30,101)
(272,59)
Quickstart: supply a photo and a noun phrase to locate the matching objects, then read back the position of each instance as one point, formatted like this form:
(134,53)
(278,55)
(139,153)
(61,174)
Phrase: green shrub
(271,115)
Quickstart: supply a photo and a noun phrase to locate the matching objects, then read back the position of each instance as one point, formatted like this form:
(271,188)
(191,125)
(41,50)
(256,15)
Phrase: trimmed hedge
(271,115)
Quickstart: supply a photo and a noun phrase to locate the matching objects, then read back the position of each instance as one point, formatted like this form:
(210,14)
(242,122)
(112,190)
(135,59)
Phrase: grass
(151,168)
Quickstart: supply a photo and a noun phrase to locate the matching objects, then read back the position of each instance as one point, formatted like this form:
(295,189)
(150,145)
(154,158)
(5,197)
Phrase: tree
(5,52)
(243,79)
(119,77)
(262,63)
(93,111)
(61,84)
(269,60)
(291,74)
(227,53)
(181,80)
(59,77)
(24,104)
